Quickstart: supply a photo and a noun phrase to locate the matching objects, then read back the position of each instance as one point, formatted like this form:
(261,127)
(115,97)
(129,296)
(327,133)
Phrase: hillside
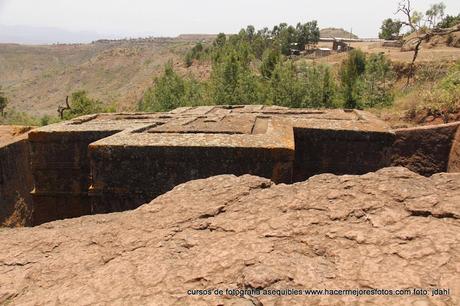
(36,79)
(336,32)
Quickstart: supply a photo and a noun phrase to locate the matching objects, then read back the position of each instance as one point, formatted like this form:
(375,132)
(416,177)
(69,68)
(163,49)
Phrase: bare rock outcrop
(392,229)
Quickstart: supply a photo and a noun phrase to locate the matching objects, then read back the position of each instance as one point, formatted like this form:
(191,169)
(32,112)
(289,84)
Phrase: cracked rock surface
(391,229)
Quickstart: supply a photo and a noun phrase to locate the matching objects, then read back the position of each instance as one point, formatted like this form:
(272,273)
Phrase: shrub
(45,120)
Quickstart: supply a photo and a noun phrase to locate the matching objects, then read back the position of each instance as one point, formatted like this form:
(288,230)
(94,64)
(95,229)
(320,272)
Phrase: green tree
(350,71)
(307,33)
(3,103)
(390,29)
(270,58)
(449,21)
(285,88)
(250,32)
(259,45)
(81,104)
(377,82)
(232,81)
(194,93)
(319,86)
(220,41)
(287,39)
(435,13)
(170,91)
(167,92)
(195,53)
(328,88)
(278,28)
(416,19)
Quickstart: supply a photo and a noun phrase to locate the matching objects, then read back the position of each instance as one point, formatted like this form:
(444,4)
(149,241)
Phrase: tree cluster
(366,81)
(237,77)
(283,37)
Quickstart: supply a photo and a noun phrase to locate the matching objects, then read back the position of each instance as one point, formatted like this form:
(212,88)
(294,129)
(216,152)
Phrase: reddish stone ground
(392,229)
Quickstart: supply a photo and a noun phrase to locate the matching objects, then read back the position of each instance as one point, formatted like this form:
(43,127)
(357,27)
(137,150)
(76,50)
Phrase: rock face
(105,163)
(392,229)
(454,157)
(427,149)
(16,180)
(114,162)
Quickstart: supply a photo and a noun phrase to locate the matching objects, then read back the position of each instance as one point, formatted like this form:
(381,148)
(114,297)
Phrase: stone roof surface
(225,125)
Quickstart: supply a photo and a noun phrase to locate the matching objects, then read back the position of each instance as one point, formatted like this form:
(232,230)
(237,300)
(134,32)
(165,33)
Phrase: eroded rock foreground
(391,229)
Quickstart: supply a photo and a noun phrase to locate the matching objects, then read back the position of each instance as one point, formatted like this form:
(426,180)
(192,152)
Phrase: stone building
(113,162)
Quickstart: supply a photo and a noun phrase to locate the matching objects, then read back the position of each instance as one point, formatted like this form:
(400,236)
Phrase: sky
(48,21)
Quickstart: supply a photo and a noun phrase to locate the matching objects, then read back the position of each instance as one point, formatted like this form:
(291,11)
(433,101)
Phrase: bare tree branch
(404,7)
(61,109)
(418,39)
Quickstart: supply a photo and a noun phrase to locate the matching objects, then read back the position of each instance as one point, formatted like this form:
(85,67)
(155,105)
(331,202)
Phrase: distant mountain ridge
(44,35)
